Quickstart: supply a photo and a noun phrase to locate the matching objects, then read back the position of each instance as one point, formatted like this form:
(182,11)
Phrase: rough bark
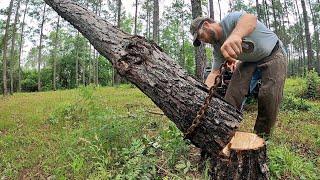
(13,44)
(156,21)
(307,33)
(5,43)
(21,44)
(200,55)
(40,47)
(157,75)
(248,164)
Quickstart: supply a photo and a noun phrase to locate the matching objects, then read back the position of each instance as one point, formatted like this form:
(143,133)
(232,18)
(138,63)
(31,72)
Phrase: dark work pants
(273,73)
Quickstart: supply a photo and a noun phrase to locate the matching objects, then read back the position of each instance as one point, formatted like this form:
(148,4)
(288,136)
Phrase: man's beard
(213,39)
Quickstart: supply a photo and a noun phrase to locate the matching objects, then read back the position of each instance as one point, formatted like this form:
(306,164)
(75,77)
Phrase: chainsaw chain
(212,92)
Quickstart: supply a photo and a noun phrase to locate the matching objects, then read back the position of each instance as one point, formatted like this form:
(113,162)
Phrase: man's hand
(210,81)
(232,48)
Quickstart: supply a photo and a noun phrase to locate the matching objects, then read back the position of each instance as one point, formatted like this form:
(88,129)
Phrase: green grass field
(109,133)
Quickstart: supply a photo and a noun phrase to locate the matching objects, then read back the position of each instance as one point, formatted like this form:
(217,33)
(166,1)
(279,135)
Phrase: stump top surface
(243,141)
(246,141)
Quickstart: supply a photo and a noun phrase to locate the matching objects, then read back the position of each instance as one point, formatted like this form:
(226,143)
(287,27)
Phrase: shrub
(290,102)
(313,85)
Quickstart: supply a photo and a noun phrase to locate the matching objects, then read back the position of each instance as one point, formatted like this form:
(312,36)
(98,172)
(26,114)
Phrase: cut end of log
(243,141)
(243,158)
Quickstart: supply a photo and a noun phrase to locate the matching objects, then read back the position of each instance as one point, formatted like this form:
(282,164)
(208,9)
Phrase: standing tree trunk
(40,47)
(211,9)
(219,4)
(318,41)
(156,21)
(90,64)
(21,45)
(266,8)
(307,33)
(258,9)
(182,51)
(77,60)
(13,44)
(83,65)
(5,44)
(136,17)
(316,36)
(117,78)
(56,39)
(200,55)
(275,21)
(168,85)
(301,39)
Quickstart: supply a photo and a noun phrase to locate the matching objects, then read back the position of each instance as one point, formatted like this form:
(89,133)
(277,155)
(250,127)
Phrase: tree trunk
(21,45)
(211,9)
(219,9)
(275,21)
(84,68)
(117,78)
(156,21)
(244,158)
(158,76)
(77,60)
(54,80)
(90,65)
(136,18)
(13,44)
(182,51)
(40,47)
(5,44)
(97,69)
(266,6)
(200,55)
(307,33)
(94,65)
(258,9)
(301,39)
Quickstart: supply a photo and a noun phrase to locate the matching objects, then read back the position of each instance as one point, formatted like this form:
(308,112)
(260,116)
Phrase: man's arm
(232,46)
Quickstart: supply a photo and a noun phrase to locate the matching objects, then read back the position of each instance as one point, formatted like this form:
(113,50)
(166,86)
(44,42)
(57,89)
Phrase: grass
(109,133)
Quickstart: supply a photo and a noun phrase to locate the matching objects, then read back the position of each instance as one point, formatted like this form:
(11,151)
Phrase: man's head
(203,30)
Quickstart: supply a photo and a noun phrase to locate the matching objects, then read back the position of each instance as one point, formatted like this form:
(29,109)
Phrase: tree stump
(243,158)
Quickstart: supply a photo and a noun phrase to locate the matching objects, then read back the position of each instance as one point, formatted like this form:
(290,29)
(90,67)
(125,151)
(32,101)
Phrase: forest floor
(113,133)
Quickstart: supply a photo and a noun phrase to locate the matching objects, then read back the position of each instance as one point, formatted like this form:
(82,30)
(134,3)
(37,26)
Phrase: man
(265,59)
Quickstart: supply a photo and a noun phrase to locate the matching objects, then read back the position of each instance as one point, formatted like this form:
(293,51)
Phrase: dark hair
(210,20)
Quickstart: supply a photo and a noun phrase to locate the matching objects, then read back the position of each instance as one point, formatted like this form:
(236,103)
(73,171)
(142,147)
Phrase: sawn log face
(144,64)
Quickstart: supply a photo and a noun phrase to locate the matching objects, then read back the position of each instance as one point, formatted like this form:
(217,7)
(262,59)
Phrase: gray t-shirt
(263,38)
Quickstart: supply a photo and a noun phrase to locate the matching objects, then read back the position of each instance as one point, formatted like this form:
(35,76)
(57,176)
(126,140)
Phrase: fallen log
(143,63)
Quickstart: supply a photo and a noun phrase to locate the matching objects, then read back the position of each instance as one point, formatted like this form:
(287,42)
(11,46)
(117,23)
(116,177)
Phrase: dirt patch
(35,172)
